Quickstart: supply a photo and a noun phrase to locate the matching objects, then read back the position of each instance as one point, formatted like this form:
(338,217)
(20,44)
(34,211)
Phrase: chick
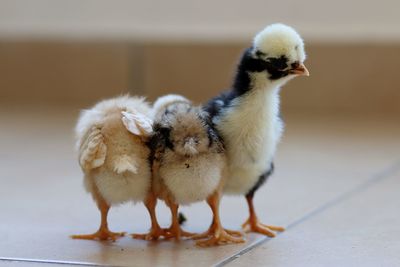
(111,138)
(247,116)
(189,164)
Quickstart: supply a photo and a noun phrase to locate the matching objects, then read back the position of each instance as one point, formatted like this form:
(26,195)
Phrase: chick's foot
(210,232)
(177,232)
(219,236)
(153,235)
(254,225)
(101,234)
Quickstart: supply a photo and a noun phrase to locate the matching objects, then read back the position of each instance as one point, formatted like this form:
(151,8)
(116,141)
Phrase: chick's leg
(175,230)
(219,235)
(103,233)
(254,225)
(156,231)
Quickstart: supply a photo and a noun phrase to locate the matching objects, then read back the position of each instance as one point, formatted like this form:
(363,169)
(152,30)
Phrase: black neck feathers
(247,64)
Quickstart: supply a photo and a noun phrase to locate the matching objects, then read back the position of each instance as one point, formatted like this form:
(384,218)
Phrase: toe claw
(209,233)
(253,225)
(177,233)
(220,237)
(274,228)
(101,235)
(153,235)
(234,233)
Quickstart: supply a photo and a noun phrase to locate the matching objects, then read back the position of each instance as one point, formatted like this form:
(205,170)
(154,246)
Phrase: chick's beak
(300,70)
(190,146)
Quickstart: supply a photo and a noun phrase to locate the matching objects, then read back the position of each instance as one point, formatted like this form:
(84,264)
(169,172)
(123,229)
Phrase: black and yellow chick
(247,117)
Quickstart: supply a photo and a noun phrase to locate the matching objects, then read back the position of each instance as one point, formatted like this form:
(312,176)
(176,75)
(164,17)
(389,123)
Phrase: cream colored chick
(114,158)
(189,164)
(247,116)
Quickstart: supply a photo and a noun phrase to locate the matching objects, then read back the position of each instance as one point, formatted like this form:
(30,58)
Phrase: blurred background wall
(76,52)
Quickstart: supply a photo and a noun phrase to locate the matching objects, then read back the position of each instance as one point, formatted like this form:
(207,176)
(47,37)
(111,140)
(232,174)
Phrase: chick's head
(279,50)
(189,132)
(163,103)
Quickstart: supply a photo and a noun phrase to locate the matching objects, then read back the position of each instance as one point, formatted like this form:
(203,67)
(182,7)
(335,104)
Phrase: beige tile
(360,231)
(42,186)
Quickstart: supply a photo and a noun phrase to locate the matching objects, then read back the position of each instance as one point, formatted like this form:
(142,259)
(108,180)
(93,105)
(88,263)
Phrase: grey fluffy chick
(189,164)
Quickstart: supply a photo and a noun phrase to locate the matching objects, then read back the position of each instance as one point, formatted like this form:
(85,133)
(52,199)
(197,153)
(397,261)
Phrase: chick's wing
(92,152)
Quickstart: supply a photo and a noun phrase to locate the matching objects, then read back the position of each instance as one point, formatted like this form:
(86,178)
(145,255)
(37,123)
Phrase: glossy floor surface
(336,189)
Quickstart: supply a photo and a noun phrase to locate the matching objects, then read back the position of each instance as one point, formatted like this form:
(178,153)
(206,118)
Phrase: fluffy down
(251,144)
(279,39)
(192,179)
(191,162)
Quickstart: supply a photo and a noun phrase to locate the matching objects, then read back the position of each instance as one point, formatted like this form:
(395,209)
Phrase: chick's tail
(125,163)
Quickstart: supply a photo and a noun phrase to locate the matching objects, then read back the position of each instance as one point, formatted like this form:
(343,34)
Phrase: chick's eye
(260,54)
(278,63)
(295,65)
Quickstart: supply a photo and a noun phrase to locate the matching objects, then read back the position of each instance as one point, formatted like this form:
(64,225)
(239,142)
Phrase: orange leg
(175,230)
(219,235)
(103,233)
(156,231)
(253,225)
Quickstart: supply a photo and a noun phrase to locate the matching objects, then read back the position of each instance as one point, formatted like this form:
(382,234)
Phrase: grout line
(54,262)
(376,178)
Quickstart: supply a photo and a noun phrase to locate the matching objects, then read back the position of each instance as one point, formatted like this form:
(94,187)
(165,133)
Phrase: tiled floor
(335,188)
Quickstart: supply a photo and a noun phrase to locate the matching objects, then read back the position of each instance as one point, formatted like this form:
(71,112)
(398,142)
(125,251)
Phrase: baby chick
(113,155)
(247,116)
(189,164)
